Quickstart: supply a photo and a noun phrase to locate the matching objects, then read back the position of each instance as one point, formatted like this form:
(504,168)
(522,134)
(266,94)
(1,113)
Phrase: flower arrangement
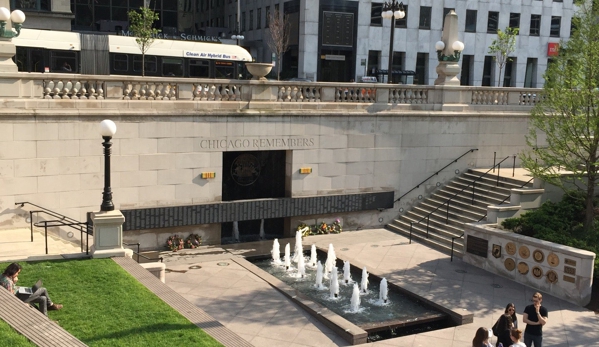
(193,241)
(319,229)
(323,228)
(335,227)
(174,243)
(304,229)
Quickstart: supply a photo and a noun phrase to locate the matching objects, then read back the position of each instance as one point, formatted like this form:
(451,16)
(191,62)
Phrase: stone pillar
(308,39)
(7,48)
(108,235)
(448,69)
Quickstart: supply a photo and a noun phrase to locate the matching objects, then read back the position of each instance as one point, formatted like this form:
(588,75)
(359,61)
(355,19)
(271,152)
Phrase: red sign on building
(552,49)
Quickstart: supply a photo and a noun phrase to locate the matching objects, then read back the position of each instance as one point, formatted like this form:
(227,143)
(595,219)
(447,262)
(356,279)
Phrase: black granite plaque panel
(477,246)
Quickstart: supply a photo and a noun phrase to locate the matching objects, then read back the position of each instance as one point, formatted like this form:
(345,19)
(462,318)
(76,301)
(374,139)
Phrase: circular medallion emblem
(553,259)
(524,252)
(523,268)
(245,169)
(509,264)
(551,276)
(538,256)
(537,272)
(510,248)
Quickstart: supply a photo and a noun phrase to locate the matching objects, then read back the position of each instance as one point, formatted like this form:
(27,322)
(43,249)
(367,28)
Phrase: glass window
(243,21)
(471,21)
(556,23)
(267,16)
(514,20)
(63,61)
(493,22)
(375,14)
(120,62)
(488,71)
(149,62)
(259,18)
(199,68)
(224,69)
(36,5)
(169,19)
(402,23)
(425,17)
(535,25)
(251,27)
(172,67)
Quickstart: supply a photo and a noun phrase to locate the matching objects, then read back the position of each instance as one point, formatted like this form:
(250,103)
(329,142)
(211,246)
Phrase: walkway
(16,245)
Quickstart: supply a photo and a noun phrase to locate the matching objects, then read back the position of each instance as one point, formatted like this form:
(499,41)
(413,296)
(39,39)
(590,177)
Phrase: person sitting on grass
(10,277)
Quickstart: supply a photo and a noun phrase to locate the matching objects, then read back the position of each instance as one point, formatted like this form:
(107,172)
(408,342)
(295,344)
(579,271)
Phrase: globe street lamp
(237,36)
(107,130)
(392,10)
(17,17)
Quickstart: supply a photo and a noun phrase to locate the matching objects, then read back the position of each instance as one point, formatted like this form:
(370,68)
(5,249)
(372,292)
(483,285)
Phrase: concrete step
(440,246)
(504,181)
(16,245)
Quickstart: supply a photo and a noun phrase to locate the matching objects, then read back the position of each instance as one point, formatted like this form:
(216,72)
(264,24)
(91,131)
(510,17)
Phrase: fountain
(262,234)
(330,262)
(235,231)
(364,283)
(383,291)
(334,284)
(318,283)
(276,252)
(346,272)
(355,299)
(287,257)
(313,258)
(299,249)
(301,267)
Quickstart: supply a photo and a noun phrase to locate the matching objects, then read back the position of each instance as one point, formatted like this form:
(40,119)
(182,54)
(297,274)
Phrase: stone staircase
(488,191)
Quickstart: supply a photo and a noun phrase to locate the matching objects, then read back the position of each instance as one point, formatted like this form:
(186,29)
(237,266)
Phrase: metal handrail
(483,217)
(436,173)
(141,255)
(61,221)
(427,217)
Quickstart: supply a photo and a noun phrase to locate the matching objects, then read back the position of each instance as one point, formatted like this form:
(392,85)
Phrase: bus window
(199,68)
(21,59)
(63,61)
(172,67)
(224,69)
(149,62)
(120,62)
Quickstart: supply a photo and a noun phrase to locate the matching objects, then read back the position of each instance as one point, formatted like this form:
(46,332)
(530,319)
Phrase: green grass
(11,337)
(105,306)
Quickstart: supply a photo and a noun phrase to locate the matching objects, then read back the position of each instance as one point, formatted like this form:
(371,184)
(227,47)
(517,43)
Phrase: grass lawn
(105,306)
(11,337)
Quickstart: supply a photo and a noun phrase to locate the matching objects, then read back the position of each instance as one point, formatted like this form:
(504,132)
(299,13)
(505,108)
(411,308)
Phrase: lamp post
(392,10)
(17,17)
(107,130)
(449,50)
(237,36)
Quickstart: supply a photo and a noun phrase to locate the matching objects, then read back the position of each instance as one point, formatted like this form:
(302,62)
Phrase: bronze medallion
(537,272)
(538,256)
(510,248)
(524,252)
(553,259)
(497,251)
(245,169)
(509,264)
(522,268)
(551,276)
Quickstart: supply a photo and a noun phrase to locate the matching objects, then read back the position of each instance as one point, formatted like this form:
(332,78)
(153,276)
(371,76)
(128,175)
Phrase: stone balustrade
(54,86)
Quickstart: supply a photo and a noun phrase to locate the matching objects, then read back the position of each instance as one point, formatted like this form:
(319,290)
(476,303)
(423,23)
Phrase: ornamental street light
(392,10)
(107,130)
(17,17)
(457,47)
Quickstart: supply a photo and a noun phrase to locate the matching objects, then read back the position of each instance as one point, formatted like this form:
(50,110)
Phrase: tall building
(341,40)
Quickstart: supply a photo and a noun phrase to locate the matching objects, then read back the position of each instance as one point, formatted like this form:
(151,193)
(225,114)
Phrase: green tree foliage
(141,25)
(502,47)
(564,125)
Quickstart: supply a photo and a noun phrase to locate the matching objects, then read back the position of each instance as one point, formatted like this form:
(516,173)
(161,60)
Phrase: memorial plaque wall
(338,29)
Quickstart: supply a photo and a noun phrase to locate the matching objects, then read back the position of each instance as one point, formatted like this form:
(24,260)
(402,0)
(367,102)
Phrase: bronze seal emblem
(523,268)
(552,276)
(524,252)
(245,169)
(537,272)
(510,248)
(509,264)
(538,256)
(553,259)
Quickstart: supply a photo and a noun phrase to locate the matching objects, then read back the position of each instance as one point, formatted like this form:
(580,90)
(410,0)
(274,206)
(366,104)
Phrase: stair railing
(483,217)
(436,173)
(448,201)
(61,220)
(138,254)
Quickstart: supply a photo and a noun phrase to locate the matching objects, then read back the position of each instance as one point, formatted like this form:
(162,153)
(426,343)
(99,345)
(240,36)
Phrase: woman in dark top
(504,327)
(510,309)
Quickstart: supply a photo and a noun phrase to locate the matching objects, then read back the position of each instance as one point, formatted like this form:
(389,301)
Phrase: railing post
(411,233)
(31,224)
(46,234)
(138,252)
(428,218)
(514,167)
(447,216)
(473,186)
(498,169)
(494,159)
(452,240)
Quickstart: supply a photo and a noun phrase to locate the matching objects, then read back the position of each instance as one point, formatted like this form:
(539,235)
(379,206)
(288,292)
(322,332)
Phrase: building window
(251,27)
(425,17)
(259,18)
(556,23)
(535,25)
(421,68)
(493,22)
(267,17)
(373,62)
(470,21)
(514,20)
(488,71)
(243,21)
(375,14)
(402,23)
(36,5)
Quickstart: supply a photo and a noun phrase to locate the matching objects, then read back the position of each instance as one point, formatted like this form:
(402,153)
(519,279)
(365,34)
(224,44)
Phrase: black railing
(483,217)
(448,201)
(61,220)
(436,173)
(138,254)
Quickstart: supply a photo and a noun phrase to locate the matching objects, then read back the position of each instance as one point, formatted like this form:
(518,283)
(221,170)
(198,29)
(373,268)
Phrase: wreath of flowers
(193,241)
(335,227)
(304,229)
(319,229)
(323,228)
(174,243)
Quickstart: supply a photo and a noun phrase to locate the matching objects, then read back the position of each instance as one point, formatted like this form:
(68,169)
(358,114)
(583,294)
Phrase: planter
(259,70)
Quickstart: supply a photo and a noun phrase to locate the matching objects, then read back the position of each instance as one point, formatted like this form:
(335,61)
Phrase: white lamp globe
(107,128)
(387,14)
(440,45)
(4,14)
(399,14)
(458,46)
(17,16)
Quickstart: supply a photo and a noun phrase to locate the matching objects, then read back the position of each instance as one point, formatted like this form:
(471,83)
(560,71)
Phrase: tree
(566,118)
(140,24)
(502,47)
(278,41)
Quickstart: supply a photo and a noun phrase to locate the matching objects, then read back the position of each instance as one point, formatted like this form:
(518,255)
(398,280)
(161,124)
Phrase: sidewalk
(16,245)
